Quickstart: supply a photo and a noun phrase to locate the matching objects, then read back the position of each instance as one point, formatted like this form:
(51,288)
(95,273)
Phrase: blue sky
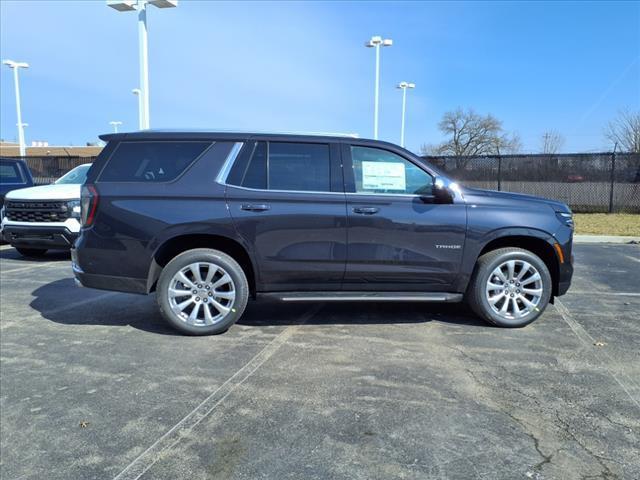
(303,67)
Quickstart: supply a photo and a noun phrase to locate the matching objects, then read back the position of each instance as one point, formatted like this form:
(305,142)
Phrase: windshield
(76,176)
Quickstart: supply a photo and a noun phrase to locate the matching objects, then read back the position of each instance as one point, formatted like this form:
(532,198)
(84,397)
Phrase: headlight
(74,208)
(565,218)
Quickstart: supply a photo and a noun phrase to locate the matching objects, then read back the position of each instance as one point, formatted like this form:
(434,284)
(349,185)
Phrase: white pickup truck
(36,219)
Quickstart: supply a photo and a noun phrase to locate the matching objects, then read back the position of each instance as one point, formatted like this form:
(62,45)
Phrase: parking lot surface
(94,385)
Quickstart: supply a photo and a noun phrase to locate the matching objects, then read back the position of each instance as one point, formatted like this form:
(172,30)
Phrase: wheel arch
(536,245)
(173,246)
(536,241)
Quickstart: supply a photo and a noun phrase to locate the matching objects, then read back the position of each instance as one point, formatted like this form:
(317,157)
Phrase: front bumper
(36,236)
(564,239)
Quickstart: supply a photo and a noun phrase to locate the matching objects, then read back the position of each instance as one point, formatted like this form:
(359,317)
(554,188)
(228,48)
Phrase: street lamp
(115,125)
(377,41)
(403,86)
(15,66)
(138,93)
(141,7)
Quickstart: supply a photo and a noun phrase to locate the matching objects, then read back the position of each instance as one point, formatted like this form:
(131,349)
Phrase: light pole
(376,41)
(403,86)
(141,7)
(115,125)
(138,93)
(15,66)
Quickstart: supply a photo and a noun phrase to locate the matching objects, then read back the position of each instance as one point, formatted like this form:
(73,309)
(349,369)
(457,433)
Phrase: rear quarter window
(10,173)
(151,161)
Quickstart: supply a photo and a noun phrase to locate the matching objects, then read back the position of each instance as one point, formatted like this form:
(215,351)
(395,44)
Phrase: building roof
(9,149)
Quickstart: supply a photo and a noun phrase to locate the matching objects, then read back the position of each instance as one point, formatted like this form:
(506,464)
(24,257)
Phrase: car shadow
(94,307)
(360,313)
(50,256)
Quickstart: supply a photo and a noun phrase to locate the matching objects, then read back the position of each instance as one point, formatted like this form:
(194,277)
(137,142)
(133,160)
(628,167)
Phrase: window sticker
(383,176)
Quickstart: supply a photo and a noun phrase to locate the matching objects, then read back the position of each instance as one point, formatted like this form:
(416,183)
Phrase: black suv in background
(209,219)
(14,174)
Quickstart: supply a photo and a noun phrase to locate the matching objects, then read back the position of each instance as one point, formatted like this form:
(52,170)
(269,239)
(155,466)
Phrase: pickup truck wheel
(31,252)
(510,287)
(202,292)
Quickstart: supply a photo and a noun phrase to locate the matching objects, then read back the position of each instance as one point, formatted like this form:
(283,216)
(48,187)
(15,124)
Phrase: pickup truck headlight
(74,208)
(566,218)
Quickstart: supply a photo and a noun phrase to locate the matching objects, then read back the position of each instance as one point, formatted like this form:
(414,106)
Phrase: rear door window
(10,173)
(285,166)
(304,167)
(149,162)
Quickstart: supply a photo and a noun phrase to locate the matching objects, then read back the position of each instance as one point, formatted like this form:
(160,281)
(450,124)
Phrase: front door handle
(366,210)
(252,207)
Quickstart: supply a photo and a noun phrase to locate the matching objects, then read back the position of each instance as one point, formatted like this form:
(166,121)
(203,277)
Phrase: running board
(363,296)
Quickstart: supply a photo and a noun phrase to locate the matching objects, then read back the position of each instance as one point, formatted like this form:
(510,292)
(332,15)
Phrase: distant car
(14,174)
(38,218)
(575,178)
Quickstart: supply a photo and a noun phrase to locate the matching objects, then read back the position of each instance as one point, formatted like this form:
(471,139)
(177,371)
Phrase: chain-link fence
(47,169)
(588,182)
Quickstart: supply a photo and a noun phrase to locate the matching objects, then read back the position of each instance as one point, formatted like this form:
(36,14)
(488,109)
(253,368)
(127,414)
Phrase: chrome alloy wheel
(201,294)
(514,289)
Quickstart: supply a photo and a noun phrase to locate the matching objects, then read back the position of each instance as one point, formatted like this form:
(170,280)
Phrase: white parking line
(631,258)
(151,455)
(628,384)
(70,306)
(4,271)
(606,294)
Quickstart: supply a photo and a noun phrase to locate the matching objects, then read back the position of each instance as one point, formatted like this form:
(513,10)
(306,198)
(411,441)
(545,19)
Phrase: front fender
(477,240)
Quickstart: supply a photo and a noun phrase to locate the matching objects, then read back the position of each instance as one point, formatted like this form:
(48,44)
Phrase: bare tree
(551,142)
(624,130)
(470,134)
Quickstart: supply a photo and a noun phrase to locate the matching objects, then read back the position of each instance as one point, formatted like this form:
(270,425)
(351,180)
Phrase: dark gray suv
(208,220)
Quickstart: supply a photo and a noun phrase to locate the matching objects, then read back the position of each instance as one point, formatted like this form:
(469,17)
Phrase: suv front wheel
(510,287)
(202,292)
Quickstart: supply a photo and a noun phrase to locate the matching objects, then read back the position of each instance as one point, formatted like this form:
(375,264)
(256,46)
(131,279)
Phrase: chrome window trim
(228,163)
(405,195)
(281,191)
(235,151)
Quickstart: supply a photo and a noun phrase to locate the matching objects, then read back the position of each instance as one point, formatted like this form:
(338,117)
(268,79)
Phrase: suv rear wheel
(510,287)
(202,292)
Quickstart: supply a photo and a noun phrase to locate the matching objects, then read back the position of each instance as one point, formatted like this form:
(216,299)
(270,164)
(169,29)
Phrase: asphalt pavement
(94,385)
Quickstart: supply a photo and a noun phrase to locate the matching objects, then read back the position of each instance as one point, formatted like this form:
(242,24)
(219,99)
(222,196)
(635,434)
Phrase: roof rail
(259,132)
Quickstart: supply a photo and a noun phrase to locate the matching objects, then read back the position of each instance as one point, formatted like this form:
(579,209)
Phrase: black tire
(31,252)
(486,264)
(217,258)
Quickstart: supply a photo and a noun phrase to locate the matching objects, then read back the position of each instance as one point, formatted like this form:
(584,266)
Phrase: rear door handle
(366,210)
(252,207)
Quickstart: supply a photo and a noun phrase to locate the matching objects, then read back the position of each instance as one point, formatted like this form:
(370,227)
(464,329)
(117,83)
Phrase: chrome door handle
(251,207)
(366,210)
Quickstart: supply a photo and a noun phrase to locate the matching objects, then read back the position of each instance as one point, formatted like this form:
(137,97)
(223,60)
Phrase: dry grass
(607,224)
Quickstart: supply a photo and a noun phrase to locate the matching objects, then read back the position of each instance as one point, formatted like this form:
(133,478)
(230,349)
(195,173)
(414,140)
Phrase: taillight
(89,204)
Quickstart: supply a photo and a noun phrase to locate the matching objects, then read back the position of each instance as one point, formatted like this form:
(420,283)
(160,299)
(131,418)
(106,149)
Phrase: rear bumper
(106,282)
(37,236)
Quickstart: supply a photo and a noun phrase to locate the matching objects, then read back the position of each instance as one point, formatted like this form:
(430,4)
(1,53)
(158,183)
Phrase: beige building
(43,149)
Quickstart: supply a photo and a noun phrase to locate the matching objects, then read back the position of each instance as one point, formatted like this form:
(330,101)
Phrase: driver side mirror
(441,194)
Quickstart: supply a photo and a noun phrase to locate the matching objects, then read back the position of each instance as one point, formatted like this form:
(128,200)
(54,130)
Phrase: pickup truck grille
(36,211)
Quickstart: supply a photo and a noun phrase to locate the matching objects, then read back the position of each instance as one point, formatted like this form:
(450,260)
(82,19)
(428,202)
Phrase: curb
(605,239)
